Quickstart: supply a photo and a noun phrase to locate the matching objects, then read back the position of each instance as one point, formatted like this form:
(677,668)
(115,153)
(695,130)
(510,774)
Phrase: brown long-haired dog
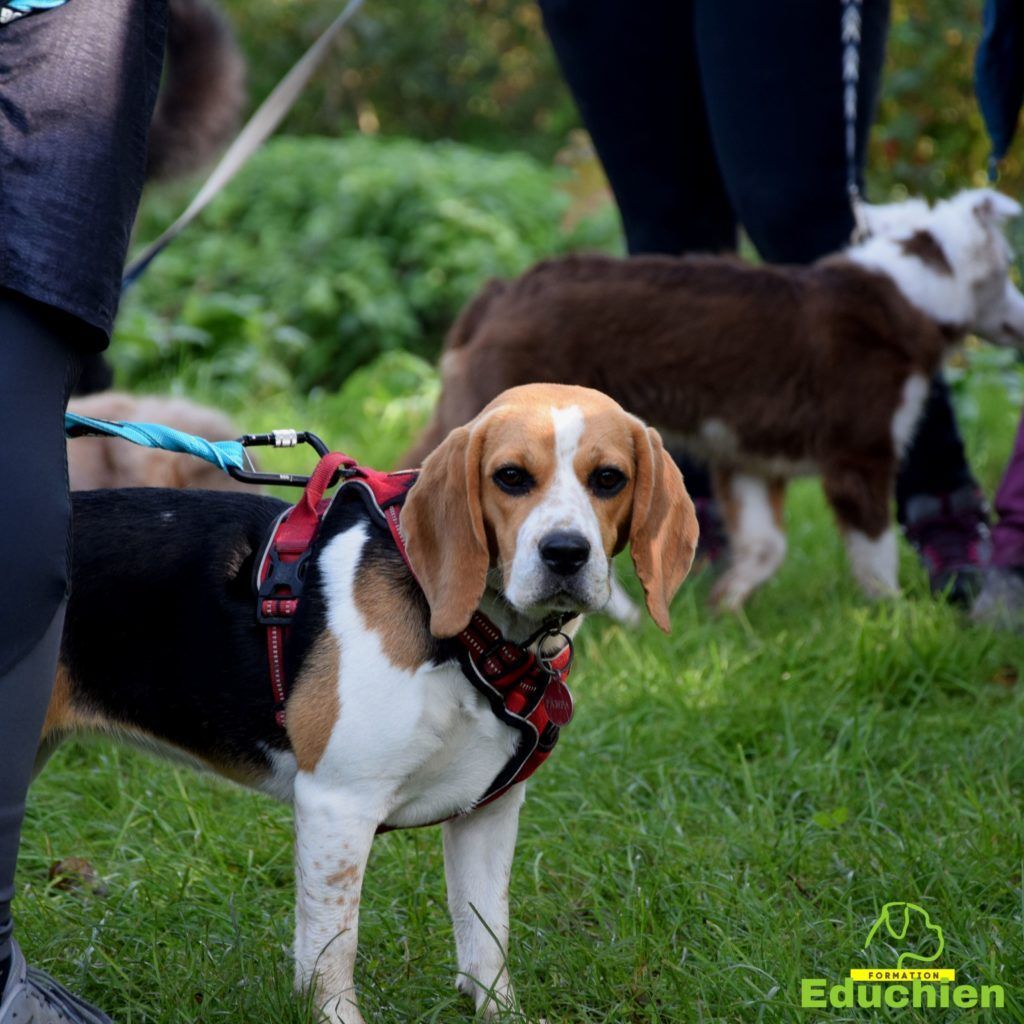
(770,372)
(109,462)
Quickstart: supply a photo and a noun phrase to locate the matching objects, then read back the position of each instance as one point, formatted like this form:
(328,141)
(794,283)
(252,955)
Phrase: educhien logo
(916,980)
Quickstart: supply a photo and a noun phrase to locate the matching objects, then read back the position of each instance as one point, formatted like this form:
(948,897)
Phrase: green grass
(726,815)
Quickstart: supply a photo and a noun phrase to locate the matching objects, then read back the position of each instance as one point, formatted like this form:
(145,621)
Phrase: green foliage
(483,72)
(929,138)
(325,253)
(480,71)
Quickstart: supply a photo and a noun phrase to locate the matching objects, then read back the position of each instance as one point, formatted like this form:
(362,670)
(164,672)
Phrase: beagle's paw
(340,1011)
(494,1003)
(729,593)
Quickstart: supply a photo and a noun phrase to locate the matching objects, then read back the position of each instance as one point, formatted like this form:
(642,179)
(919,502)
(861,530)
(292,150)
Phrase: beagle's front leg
(334,831)
(478,851)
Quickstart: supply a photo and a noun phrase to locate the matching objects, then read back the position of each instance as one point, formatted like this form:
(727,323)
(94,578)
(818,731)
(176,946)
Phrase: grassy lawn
(726,815)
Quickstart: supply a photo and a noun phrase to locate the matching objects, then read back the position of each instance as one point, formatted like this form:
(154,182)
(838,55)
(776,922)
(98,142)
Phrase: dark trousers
(37,370)
(78,85)
(709,114)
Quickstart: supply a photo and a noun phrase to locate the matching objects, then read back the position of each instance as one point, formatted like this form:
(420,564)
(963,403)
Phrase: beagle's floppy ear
(663,530)
(443,525)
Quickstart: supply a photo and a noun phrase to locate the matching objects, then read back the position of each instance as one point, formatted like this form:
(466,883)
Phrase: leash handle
(225,455)
(324,476)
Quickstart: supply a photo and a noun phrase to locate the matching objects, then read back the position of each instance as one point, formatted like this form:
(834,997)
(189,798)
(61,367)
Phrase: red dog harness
(525,691)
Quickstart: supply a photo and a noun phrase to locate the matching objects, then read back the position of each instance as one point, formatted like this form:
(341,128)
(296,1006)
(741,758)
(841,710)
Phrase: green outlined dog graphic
(897,917)
(924,985)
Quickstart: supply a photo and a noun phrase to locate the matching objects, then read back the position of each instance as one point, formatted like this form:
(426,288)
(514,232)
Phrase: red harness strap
(525,691)
(282,568)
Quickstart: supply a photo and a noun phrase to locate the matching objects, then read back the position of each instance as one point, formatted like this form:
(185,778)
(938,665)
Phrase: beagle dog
(517,514)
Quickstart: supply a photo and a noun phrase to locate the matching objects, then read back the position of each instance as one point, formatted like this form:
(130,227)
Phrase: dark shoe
(1001,601)
(713,543)
(950,534)
(32,997)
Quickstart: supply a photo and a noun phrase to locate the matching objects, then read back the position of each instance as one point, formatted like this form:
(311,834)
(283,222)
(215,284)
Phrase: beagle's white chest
(416,746)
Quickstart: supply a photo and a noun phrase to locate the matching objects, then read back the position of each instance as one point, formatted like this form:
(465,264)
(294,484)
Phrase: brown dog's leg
(752,508)
(860,493)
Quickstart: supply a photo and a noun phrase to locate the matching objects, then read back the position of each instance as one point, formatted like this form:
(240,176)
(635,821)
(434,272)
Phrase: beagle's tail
(203,92)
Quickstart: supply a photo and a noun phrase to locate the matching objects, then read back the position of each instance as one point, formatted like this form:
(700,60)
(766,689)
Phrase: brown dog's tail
(203,92)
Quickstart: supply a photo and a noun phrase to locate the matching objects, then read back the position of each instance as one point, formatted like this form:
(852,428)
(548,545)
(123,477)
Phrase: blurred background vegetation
(437,147)
(482,72)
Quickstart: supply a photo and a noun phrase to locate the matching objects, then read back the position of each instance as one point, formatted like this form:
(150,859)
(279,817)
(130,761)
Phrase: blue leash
(222,454)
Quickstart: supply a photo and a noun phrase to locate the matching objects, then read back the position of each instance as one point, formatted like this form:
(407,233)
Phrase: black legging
(707,114)
(79,83)
(37,370)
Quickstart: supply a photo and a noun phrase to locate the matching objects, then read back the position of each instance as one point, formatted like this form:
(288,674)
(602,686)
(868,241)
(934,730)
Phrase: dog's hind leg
(752,506)
(860,493)
(478,850)
(333,834)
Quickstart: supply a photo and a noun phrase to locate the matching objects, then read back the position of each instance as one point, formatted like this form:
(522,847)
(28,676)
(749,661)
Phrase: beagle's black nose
(564,551)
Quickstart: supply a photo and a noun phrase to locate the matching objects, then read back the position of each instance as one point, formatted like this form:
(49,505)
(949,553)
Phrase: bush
(481,71)
(325,253)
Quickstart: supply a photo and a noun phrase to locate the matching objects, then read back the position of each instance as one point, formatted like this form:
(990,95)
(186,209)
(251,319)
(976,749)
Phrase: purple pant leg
(1008,535)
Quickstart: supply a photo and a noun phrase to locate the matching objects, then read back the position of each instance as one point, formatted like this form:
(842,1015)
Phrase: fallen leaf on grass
(1006,676)
(76,873)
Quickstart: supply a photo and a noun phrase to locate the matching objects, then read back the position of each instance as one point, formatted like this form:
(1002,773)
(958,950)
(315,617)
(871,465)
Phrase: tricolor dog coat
(375,719)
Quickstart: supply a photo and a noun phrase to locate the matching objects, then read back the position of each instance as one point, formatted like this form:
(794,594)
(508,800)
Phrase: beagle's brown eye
(607,481)
(513,479)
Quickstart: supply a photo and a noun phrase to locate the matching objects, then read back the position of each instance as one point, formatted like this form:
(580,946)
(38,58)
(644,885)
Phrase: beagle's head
(533,498)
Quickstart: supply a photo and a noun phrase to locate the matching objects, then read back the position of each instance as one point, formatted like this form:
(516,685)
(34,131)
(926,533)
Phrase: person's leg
(633,75)
(78,82)
(772,78)
(940,505)
(632,71)
(1008,533)
(96,375)
(935,462)
(1001,601)
(37,369)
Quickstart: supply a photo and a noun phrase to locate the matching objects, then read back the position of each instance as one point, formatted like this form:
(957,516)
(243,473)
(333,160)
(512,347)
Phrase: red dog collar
(525,691)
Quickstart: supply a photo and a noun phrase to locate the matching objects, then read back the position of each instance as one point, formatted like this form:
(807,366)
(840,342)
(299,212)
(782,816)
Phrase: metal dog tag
(558,702)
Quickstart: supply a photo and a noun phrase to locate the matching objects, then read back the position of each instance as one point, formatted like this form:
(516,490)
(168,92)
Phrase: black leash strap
(851,35)
(257,130)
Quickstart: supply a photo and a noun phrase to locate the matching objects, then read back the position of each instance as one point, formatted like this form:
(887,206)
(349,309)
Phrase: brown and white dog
(518,513)
(768,371)
(107,462)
